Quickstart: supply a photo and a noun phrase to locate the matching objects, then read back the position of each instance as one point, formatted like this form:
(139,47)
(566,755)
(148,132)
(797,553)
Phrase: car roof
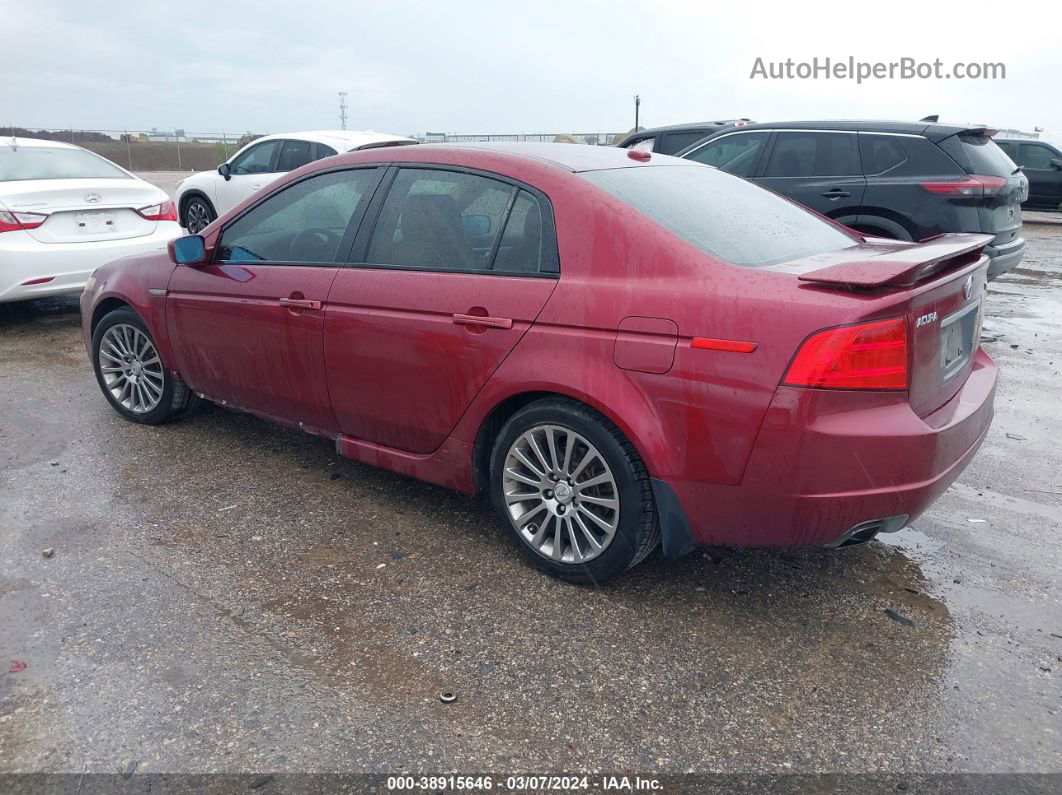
(932,131)
(343,140)
(32,142)
(570,157)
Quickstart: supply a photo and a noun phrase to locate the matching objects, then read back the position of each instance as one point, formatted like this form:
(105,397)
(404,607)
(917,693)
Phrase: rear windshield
(722,215)
(18,163)
(986,157)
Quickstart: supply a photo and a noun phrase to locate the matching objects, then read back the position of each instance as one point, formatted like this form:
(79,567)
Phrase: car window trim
(549,266)
(503,225)
(360,212)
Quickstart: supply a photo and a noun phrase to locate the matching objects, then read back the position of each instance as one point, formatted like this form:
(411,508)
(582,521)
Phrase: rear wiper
(1015,171)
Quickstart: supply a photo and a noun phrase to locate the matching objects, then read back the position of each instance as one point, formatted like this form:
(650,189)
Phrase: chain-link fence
(181,150)
(146,150)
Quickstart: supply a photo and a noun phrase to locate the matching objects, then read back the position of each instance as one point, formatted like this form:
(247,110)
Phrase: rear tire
(197,215)
(131,375)
(572,492)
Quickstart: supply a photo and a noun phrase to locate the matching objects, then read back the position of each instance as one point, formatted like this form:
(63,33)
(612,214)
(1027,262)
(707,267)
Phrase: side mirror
(225,171)
(476,225)
(1056,163)
(187,250)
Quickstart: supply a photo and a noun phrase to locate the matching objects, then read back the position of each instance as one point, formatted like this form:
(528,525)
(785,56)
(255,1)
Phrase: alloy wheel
(561,494)
(197,216)
(131,368)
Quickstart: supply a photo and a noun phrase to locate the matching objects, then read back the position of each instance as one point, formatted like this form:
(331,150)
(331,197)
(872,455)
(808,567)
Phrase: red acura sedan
(620,348)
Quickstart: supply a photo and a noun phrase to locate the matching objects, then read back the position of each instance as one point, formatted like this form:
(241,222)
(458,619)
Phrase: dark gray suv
(902,180)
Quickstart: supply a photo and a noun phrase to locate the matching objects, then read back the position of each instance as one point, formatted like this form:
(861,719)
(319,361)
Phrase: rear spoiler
(906,267)
(939,132)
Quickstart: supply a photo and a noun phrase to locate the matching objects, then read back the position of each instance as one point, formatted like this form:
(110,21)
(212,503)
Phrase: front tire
(131,374)
(572,492)
(197,215)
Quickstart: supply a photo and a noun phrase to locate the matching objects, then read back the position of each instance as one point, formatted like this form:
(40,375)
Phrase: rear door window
(813,154)
(324,150)
(294,154)
(880,153)
(521,246)
(440,220)
(736,153)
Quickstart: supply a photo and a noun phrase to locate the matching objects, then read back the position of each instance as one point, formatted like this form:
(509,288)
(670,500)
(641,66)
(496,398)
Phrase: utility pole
(637,105)
(342,110)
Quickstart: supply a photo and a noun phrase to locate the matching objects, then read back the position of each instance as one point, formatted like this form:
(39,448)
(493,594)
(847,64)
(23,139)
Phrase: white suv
(204,196)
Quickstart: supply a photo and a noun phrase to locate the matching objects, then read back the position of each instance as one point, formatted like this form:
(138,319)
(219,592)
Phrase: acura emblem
(93,198)
(967,287)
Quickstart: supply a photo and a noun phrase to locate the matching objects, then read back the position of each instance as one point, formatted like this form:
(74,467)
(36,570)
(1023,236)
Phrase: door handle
(836,193)
(479,320)
(300,303)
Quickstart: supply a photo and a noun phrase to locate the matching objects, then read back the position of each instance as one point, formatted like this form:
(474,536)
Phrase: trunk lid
(83,210)
(937,286)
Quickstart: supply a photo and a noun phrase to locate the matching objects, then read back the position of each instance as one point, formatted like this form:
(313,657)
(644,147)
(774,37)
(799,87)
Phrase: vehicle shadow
(63,308)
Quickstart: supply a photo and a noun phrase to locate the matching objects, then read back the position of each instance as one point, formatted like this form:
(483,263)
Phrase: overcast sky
(506,67)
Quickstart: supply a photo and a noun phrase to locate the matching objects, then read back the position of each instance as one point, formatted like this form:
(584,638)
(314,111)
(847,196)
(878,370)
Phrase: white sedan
(65,211)
(204,196)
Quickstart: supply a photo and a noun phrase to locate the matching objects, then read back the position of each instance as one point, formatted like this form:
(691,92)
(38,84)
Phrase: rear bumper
(1005,258)
(66,266)
(827,461)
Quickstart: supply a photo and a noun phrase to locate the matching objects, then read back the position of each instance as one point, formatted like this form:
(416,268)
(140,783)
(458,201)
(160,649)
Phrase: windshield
(723,215)
(19,163)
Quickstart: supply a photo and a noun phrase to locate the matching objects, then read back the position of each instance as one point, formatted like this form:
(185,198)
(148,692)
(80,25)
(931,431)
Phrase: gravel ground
(226,595)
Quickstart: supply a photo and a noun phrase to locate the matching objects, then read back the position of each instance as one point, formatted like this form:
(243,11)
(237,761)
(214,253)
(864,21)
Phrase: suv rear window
(986,157)
(722,215)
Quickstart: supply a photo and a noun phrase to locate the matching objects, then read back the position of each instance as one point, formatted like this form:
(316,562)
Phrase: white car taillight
(11,222)
(166,211)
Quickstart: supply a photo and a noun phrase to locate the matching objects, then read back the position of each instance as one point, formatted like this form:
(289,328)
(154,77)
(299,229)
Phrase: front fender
(138,282)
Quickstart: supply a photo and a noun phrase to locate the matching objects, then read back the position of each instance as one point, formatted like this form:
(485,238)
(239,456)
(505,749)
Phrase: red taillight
(9,222)
(970,185)
(867,356)
(166,211)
